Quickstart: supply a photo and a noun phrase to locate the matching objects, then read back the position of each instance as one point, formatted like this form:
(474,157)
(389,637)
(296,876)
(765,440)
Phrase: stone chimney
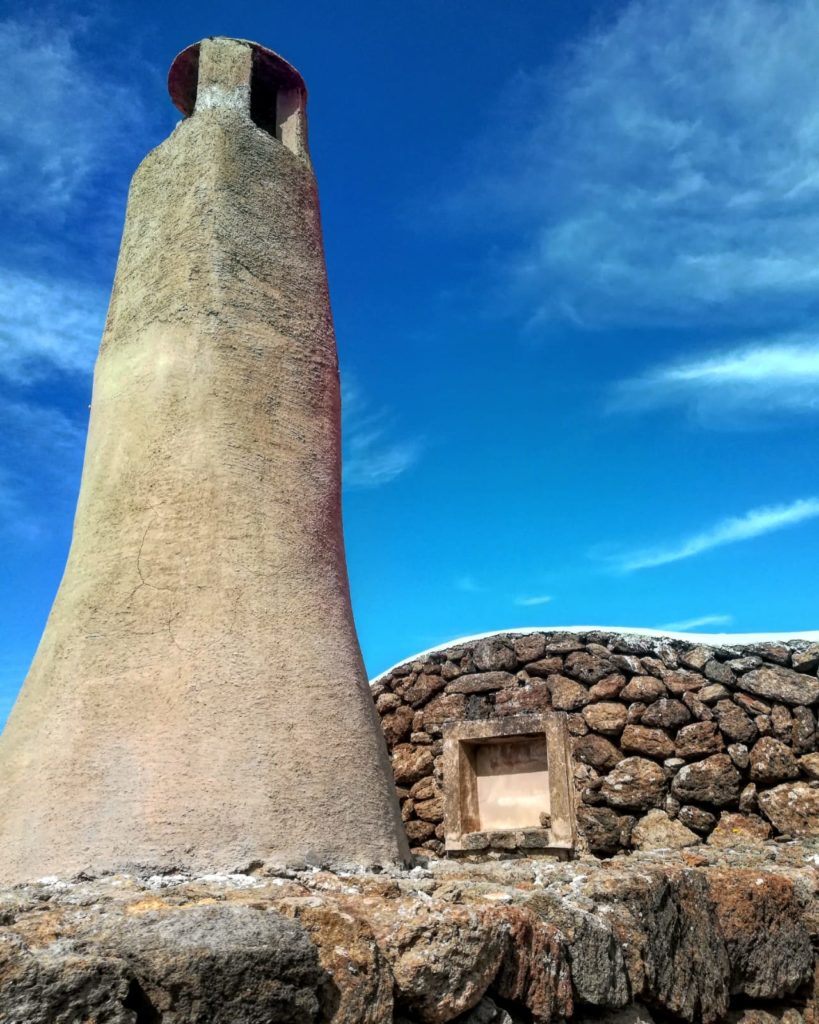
(198,699)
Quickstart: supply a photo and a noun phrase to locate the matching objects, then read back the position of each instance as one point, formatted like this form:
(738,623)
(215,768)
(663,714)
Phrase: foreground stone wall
(675,743)
(717,936)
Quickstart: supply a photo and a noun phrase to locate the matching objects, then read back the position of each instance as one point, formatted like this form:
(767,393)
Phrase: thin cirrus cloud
(372,455)
(47,325)
(666,169)
(697,623)
(65,122)
(755,381)
(533,601)
(755,523)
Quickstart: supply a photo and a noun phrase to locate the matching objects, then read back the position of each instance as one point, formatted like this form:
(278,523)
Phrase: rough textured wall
(675,743)
(716,936)
(198,698)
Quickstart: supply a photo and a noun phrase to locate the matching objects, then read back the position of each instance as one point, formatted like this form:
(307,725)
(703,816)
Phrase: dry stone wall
(675,743)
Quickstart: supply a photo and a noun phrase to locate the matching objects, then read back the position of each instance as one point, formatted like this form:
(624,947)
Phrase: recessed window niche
(507,784)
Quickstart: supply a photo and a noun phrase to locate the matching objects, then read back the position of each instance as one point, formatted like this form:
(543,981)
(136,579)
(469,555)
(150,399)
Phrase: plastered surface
(198,698)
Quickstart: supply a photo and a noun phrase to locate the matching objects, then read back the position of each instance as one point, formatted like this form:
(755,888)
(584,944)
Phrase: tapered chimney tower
(198,699)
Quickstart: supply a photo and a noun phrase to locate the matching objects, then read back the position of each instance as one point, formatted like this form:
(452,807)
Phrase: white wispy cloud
(47,324)
(697,623)
(666,167)
(754,523)
(533,601)
(756,380)
(60,121)
(372,457)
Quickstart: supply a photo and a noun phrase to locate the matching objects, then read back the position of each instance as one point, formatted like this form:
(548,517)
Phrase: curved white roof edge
(713,639)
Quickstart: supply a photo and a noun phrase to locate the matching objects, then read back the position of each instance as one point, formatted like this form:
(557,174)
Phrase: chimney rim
(184,69)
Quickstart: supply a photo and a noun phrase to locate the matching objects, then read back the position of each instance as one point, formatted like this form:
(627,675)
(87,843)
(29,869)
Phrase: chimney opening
(264,91)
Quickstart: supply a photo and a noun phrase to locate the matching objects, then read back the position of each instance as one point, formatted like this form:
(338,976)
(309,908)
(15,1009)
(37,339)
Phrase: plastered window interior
(507,784)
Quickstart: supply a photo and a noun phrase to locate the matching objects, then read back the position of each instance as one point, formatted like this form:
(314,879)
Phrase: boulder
(675,956)
(606,717)
(782,685)
(210,964)
(643,689)
(697,657)
(545,667)
(530,647)
(718,672)
(697,819)
(398,725)
(769,947)
(809,765)
(596,751)
(792,809)
(598,966)
(481,682)
(713,692)
(410,764)
(494,655)
(772,761)
(608,687)
(445,707)
(567,695)
(666,713)
(637,739)
(357,988)
(443,957)
(739,830)
(733,722)
(740,755)
(748,799)
(656,831)
(698,739)
(425,686)
(588,668)
(681,682)
(712,781)
(803,736)
(534,971)
(634,784)
(807,660)
(605,831)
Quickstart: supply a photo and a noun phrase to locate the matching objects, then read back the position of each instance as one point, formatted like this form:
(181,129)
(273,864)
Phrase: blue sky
(574,259)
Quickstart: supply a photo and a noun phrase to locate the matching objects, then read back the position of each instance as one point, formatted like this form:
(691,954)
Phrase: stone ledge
(718,934)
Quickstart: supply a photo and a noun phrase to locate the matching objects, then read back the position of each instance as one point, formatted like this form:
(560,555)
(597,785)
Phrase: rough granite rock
(666,713)
(543,940)
(769,945)
(597,751)
(698,739)
(534,972)
(643,689)
(598,967)
(792,809)
(782,684)
(604,831)
(656,831)
(712,781)
(734,723)
(771,761)
(607,718)
(567,695)
(637,739)
(443,958)
(739,829)
(634,784)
